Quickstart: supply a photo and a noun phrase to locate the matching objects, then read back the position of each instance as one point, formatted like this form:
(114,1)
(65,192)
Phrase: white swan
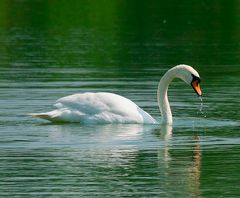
(105,107)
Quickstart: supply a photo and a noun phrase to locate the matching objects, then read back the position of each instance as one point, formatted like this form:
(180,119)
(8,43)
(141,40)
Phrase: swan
(103,107)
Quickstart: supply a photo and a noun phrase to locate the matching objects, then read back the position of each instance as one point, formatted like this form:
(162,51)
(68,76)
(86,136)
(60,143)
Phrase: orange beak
(196,87)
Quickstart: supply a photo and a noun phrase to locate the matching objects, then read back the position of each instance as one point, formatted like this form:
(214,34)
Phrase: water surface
(44,57)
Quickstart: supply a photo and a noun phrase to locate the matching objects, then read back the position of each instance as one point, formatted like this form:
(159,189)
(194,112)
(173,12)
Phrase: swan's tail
(45,116)
(52,116)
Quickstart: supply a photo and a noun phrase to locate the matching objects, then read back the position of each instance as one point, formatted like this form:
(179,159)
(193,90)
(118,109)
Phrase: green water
(50,49)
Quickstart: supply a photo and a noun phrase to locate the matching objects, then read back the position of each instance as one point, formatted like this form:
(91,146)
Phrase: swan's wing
(103,107)
(86,103)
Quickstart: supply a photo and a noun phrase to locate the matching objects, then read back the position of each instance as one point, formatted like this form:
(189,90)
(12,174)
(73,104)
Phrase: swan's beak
(196,86)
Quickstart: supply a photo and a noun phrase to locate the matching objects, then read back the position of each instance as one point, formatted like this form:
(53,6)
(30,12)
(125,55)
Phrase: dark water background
(50,49)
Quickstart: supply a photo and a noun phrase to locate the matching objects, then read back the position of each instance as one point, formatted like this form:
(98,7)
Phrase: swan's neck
(162,96)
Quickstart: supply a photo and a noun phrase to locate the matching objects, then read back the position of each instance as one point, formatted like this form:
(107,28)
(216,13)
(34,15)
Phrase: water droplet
(201,107)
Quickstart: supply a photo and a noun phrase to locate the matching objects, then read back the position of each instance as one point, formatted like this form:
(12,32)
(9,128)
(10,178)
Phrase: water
(201,110)
(44,57)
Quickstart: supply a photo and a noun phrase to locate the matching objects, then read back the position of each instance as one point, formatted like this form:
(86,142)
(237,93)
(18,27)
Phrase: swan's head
(190,76)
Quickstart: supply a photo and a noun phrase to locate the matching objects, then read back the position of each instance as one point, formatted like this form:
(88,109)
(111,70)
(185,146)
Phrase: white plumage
(98,107)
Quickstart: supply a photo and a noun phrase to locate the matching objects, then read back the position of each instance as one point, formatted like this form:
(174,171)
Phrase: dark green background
(168,32)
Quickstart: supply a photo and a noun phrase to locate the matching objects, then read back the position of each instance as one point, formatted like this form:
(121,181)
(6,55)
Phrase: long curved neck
(162,96)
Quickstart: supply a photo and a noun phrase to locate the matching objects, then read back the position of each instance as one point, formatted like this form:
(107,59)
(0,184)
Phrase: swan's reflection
(124,152)
(196,169)
(179,178)
(165,134)
(111,144)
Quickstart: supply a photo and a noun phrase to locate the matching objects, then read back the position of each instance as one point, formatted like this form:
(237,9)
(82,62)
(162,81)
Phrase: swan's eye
(194,78)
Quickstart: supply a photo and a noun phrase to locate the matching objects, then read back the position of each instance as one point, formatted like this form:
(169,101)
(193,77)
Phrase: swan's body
(98,107)
(105,107)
